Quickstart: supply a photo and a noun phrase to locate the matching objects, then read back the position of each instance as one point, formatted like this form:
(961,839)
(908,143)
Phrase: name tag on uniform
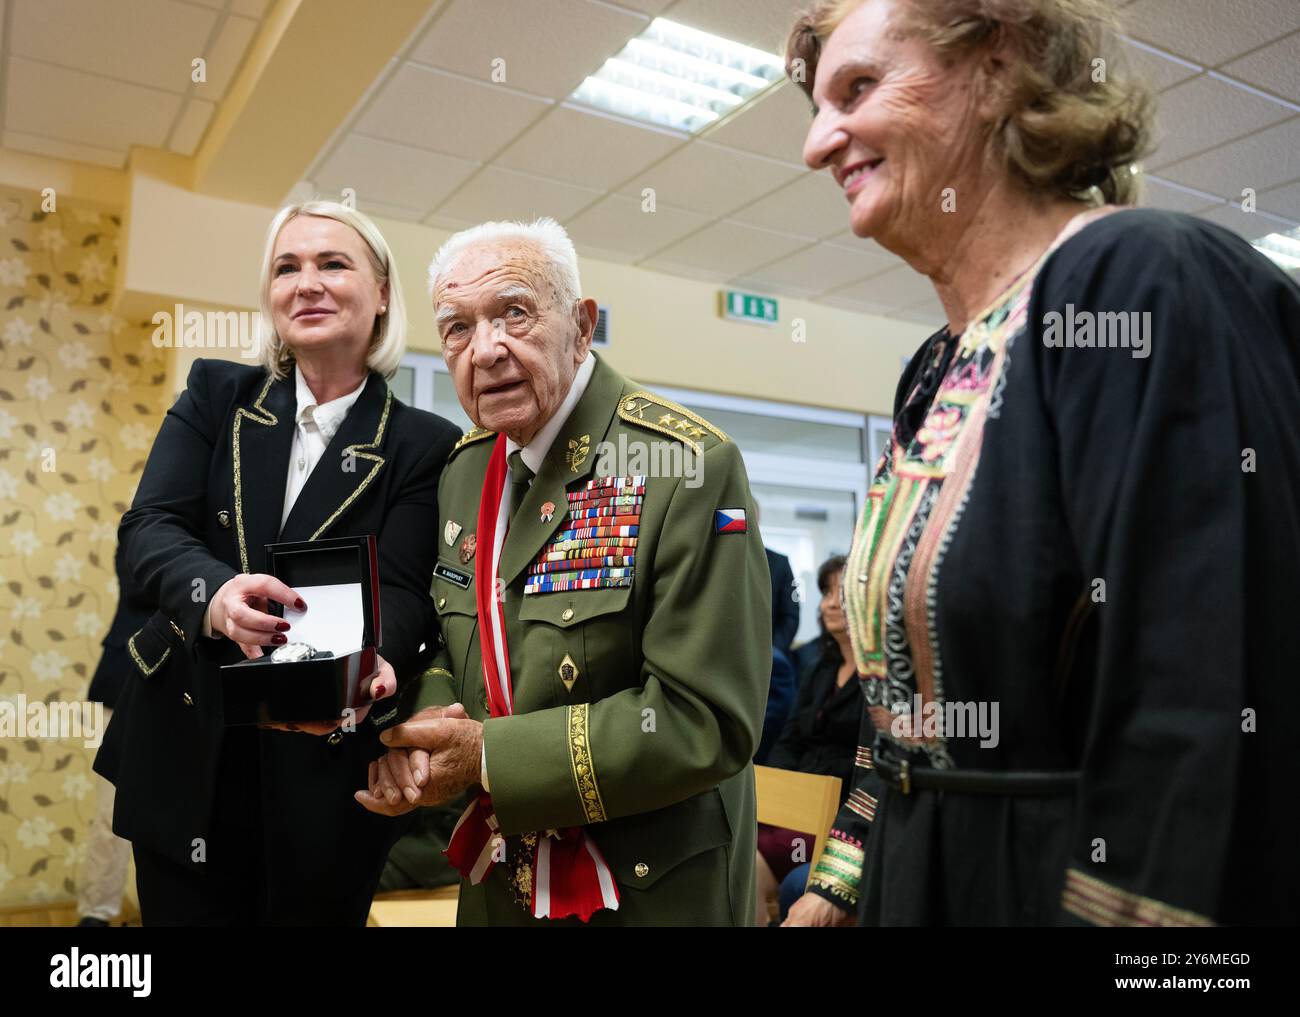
(453,576)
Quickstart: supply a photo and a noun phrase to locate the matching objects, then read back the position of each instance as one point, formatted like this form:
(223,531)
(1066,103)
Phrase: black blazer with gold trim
(210,498)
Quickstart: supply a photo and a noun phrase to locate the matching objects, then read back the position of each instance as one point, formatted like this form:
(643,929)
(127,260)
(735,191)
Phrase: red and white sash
(570,877)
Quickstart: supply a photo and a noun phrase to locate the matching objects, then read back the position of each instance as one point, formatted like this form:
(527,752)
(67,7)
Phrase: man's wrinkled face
(511,346)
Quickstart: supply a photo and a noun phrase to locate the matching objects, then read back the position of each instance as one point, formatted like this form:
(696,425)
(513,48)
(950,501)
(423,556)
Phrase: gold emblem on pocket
(568,672)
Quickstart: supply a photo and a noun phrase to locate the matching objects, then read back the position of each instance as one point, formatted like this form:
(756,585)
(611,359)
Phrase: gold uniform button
(567,614)
(223,517)
(187,699)
(442,602)
(642,870)
(335,738)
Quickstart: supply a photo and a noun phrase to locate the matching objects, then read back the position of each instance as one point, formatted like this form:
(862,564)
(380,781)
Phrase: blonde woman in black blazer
(235,826)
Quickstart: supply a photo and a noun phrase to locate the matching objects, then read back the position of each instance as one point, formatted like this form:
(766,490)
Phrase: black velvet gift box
(338,578)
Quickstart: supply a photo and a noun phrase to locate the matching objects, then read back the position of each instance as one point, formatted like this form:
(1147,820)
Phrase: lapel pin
(451,532)
(467,548)
(548,511)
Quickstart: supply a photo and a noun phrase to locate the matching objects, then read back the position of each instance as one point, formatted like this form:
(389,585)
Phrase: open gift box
(338,579)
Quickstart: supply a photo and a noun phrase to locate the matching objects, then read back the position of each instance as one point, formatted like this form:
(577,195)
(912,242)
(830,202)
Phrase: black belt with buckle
(898,773)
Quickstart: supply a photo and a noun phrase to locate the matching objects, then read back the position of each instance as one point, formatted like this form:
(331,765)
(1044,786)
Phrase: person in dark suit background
(103,876)
(242,825)
(785,603)
(785,608)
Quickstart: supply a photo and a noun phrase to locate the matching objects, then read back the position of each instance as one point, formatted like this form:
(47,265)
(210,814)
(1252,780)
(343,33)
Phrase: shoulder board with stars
(645,409)
(469,437)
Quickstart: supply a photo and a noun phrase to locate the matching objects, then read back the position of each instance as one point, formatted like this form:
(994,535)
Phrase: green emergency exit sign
(748,307)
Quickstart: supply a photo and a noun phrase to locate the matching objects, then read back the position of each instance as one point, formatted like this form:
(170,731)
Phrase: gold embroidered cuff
(1100,903)
(839,870)
(146,669)
(584,774)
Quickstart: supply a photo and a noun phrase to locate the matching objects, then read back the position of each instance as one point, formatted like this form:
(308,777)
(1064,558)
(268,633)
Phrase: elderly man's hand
(432,758)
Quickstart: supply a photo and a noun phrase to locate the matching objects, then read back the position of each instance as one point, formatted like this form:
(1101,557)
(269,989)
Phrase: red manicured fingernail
(277,638)
(281,626)
(300,604)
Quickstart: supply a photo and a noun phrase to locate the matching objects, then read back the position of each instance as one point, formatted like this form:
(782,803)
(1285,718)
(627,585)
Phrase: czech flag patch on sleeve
(730,520)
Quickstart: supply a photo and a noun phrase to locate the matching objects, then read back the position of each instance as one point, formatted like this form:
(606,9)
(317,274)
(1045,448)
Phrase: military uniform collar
(534,453)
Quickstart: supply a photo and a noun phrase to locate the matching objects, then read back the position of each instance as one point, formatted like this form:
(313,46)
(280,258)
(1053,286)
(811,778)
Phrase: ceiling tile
(774,125)
(617,224)
(85,109)
(1203,113)
(1250,225)
(724,247)
(189,131)
(1274,68)
(820,268)
(1159,194)
(812,205)
(763,24)
(896,288)
(1263,160)
(394,174)
(386,211)
(549,47)
(147,42)
(586,148)
(1208,31)
(63,149)
(448,114)
(710,179)
(249,8)
(1157,70)
(226,55)
(1283,201)
(496,193)
(651,7)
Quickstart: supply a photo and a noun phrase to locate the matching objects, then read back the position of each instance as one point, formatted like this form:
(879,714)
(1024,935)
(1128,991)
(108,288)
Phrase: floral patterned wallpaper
(81,397)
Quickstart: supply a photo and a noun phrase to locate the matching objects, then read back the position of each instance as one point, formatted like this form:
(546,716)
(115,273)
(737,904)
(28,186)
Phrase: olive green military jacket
(637,707)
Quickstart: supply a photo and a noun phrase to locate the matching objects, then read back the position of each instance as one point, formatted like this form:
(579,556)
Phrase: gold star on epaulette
(667,420)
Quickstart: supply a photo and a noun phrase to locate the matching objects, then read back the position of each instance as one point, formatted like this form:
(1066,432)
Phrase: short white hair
(547,235)
(387,340)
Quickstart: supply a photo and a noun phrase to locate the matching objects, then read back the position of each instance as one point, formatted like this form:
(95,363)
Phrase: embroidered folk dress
(1080,552)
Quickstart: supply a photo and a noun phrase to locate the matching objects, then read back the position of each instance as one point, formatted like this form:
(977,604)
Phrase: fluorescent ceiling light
(678,77)
(1282,248)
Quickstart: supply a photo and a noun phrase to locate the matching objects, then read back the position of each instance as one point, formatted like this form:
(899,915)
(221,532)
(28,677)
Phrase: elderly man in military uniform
(605,632)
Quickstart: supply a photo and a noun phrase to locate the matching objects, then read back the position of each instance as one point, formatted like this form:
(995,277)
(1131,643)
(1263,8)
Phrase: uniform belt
(900,774)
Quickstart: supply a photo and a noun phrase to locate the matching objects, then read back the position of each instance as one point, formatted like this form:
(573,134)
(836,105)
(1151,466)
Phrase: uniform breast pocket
(454,598)
(584,642)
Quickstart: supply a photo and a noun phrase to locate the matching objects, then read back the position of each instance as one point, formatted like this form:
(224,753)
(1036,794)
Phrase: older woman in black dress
(245,825)
(1072,590)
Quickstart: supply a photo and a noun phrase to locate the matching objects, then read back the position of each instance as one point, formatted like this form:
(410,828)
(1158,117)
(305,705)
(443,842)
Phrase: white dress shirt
(314,428)
(533,455)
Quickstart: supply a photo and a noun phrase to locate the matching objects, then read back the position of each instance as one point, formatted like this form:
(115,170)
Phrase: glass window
(784,436)
(403,385)
(807,525)
(445,403)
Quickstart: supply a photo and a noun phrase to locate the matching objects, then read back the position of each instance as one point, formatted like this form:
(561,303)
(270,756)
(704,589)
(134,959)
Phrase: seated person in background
(819,737)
